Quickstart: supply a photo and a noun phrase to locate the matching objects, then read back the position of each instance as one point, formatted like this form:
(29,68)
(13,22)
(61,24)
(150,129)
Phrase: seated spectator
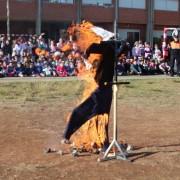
(47,70)
(29,69)
(135,68)
(152,68)
(60,70)
(127,66)
(38,69)
(53,67)
(19,70)
(80,67)
(2,72)
(144,67)
(66,64)
(164,67)
(120,68)
(71,69)
(11,70)
(4,65)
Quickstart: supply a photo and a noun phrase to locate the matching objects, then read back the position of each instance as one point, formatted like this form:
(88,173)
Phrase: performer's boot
(65,141)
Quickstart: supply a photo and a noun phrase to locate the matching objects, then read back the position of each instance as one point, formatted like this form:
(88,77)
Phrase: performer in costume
(175,53)
(99,102)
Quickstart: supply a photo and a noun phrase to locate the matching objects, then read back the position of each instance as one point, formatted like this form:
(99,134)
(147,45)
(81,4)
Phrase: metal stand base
(117,154)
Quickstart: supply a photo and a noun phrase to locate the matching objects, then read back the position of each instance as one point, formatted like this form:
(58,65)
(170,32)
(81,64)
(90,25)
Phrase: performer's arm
(94,48)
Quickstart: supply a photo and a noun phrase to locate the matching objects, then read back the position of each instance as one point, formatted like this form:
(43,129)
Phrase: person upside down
(99,102)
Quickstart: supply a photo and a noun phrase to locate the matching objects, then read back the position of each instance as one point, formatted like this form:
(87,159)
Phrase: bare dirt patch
(27,127)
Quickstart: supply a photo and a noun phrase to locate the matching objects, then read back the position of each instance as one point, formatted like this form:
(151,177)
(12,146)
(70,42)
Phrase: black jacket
(109,51)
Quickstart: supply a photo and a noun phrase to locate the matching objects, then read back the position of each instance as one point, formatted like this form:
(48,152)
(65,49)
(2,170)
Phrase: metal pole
(116,15)
(179,13)
(116,6)
(150,23)
(8,17)
(79,6)
(39,17)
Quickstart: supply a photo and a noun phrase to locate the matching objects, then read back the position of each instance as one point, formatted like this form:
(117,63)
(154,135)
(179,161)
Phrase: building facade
(137,19)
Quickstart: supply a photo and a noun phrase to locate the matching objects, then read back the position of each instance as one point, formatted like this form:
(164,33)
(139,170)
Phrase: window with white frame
(167,5)
(60,1)
(97,2)
(139,4)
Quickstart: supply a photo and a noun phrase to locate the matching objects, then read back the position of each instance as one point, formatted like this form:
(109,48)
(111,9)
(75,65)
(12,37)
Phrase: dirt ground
(26,129)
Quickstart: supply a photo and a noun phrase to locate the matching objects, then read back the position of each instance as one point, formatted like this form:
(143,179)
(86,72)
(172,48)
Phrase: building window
(131,35)
(139,4)
(97,2)
(59,1)
(167,5)
(24,0)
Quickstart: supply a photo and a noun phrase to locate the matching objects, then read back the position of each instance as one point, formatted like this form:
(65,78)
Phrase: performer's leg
(79,116)
(172,61)
(178,65)
(106,142)
(98,103)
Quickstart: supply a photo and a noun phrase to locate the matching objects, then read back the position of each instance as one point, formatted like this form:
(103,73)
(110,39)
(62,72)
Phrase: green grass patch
(39,91)
(151,92)
(147,92)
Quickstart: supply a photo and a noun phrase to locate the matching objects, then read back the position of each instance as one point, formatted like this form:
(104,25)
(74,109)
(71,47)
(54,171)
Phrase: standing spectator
(52,46)
(175,53)
(157,53)
(7,50)
(17,48)
(136,51)
(147,51)
(60,44)
(141,47)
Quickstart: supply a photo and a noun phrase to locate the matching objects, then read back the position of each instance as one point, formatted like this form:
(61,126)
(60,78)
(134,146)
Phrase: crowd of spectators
(143,59)
(36,56)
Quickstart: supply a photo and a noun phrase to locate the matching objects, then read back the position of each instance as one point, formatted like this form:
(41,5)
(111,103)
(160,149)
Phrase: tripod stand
(118,150)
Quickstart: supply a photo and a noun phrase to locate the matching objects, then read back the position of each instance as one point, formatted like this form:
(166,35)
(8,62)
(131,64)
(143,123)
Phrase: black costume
(175,55)
(100,100)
